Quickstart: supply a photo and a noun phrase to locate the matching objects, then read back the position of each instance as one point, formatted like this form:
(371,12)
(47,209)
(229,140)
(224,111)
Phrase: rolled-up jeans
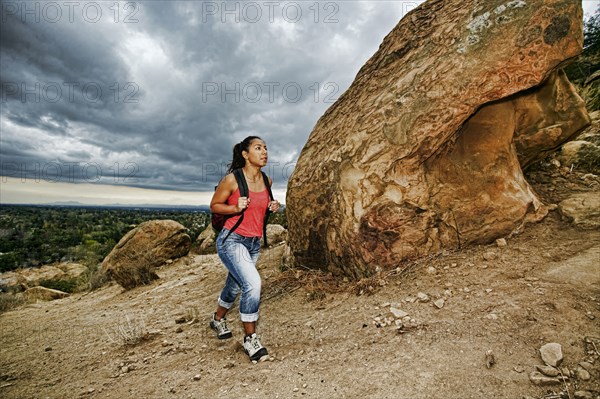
(239,255)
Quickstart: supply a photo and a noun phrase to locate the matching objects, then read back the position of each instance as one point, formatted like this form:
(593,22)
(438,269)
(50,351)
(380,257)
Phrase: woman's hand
(243,203)
(274,206)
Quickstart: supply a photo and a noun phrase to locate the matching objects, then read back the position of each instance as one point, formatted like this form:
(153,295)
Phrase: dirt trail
(542,287)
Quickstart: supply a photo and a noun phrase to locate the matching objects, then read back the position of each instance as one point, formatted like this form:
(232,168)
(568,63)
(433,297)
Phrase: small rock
(422,297)
(490,255)
(548,370)
(439,303)
(48,348)
(490,359)
(398,313)
(295,389)
(180,320)
(125,369)
(590,315)
(197,377)
(169,261)
(582,374)
(540,379)
(586,365)
(518,369)
(447,293)
(583,395)
(565,371)
(431,270)
(179,330)
(488,290)
(552,354)
(304,386)
(501,242)
(492,316)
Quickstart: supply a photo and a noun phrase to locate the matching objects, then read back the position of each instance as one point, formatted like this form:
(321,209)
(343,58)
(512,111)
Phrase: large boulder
(276,234)
(39,293)
(133,260)
(205,243)
(424,150)
(582,210)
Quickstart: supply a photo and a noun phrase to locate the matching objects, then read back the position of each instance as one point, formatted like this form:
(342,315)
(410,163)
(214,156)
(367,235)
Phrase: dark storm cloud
(168,93)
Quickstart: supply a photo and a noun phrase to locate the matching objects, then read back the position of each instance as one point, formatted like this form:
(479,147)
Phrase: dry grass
(129,332)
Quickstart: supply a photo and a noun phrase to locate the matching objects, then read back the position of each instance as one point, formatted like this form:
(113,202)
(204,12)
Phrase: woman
(239,251)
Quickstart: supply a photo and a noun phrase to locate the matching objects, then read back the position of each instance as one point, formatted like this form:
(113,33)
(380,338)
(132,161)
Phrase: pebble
(590,315)
(180,320)
(492,316)
(197,377)
(548,370)
(490,255)
(565,371)
(398,313)
(518,369)
(551,354)
(586,365)
(125,369)
(48,348)
(540,379)
(431,270)
(582,374)
(488,290)
(583,395)
(422,297)
(501,242)
(439,303)
(179,330)
(296,389)
(447,293)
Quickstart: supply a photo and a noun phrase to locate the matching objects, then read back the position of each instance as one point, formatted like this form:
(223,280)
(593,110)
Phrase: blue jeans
(239,255)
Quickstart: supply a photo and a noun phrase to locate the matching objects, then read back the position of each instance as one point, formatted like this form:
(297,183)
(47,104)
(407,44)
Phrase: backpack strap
(243,187)
(268,212)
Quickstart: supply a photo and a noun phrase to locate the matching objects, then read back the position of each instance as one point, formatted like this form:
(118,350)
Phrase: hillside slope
(543,286)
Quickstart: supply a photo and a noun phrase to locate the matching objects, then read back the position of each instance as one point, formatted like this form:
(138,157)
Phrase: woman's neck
(252,173)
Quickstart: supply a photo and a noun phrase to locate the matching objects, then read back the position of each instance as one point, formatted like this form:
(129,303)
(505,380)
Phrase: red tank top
(254,215)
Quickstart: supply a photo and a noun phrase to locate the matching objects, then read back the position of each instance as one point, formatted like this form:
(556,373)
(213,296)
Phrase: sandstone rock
(424,151)
(439,303)
(133,260)
(12,282)
(501,242)
(33,276)
(548,371)
(582,209)
(72,270)
(398,313)
(540,379)
(206,241)
(582,374)
(551,354)
(43,294)
(422,297)
(276,234)
(583,395)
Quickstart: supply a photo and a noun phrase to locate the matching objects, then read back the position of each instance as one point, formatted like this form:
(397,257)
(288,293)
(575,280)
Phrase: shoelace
(255,342)
(222,326)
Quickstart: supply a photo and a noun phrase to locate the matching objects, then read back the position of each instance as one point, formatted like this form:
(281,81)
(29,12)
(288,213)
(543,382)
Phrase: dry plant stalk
(128,333)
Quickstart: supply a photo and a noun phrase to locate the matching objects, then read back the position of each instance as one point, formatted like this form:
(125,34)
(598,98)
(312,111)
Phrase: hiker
(238,244)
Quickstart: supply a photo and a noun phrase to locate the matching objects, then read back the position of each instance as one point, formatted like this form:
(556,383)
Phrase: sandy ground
(543,286)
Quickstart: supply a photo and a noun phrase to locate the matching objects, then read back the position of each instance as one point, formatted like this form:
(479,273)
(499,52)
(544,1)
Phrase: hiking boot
(220,327)
(254,348)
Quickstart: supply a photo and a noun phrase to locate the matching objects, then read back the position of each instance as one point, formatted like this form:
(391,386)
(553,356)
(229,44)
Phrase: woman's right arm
(218,204)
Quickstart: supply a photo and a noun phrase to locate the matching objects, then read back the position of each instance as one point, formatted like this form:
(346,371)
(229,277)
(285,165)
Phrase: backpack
(218,220)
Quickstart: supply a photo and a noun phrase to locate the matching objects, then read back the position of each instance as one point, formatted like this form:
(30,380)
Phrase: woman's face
(257,153)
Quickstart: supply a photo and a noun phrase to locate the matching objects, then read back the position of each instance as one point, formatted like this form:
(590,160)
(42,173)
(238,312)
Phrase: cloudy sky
(141,102)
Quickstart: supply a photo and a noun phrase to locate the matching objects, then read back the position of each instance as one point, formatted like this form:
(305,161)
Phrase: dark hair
(238,160)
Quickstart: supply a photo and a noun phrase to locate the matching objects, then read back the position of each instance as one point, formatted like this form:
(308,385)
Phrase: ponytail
(238,161)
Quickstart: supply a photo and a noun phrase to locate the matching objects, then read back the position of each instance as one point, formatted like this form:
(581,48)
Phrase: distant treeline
(36,235)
